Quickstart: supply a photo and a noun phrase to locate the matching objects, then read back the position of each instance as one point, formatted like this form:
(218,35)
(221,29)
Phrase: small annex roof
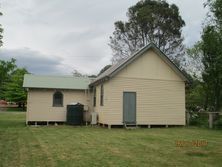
(119,66)
(56,82)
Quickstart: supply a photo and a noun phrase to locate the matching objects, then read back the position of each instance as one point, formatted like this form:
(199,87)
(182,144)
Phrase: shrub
(199,119)
(218,124)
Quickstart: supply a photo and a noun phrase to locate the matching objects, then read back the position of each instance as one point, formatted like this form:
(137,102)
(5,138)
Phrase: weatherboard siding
(102,110)
(40,104)
(149,66)
(160,93)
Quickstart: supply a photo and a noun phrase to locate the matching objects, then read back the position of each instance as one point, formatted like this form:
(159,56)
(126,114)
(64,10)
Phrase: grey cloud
(79,36)
(75,32)
(34,61)
(72,13)
(193,13)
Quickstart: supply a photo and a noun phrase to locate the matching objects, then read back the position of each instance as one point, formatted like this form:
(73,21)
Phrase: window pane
(94,97)
(58,99)
(101,95)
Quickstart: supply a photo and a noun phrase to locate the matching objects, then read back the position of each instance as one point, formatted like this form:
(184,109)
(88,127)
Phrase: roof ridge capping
(61,76)
(119,66)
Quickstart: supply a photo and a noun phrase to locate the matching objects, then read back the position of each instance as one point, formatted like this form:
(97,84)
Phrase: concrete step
(130,126)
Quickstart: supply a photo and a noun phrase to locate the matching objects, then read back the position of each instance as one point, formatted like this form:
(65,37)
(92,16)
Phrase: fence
(210,117)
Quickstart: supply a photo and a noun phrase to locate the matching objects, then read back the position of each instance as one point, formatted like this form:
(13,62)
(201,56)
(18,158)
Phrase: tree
(195,95)
(149,21)
(212,56)
(92,76)
(104,69)
(207,57)
(212,61)
(216,11)
(13,89)
(6,69)
(76,73)
(194,64)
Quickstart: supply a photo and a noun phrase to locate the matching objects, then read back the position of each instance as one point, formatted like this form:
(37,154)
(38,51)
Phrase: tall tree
(210,53)
(216,11)
(149,21)
(13,89)
(6,69)
(194,64)
(212,61)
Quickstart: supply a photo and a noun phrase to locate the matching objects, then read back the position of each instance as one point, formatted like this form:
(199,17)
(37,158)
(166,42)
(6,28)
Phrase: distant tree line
(11,81)
(206,56)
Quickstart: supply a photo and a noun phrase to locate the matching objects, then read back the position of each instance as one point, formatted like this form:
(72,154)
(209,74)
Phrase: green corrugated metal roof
(56,82)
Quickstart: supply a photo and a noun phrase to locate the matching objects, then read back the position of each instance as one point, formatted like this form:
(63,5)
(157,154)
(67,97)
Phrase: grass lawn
(11,109)
(86,146)
(15,109)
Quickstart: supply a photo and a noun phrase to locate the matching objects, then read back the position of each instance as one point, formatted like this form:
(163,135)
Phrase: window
(94,96)
(101,95)
(57,99)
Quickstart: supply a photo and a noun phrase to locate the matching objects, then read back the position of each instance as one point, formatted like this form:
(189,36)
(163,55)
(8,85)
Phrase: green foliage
(149,21)
(216,10)
(194,65)
(212,60)
(199,119)
(6,69)
(195,96)
(11,80)
(218,124)
(206,58)
(13,89)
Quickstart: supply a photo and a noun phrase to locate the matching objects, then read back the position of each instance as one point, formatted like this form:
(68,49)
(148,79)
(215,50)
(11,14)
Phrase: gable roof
(56,82)
(113,70)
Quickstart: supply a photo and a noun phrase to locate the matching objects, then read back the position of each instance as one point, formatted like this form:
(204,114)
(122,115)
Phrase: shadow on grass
(12,109)
(197,154)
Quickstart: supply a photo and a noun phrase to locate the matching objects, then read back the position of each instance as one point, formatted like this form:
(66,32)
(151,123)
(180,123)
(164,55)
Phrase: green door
(129,107)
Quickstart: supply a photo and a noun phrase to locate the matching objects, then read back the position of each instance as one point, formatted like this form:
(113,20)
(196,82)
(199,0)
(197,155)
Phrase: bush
(218,124)
(199,119)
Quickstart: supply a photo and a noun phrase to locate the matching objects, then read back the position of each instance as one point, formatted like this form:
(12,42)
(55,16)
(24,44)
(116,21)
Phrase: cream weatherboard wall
(160,93)
(40,107)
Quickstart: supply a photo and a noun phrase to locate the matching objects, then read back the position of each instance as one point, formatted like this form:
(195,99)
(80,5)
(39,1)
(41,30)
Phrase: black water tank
(74,114)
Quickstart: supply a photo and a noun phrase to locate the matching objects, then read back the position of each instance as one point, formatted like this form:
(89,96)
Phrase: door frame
(135,105)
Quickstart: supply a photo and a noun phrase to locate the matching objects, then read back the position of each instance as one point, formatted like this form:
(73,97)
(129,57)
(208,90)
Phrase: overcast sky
(57,36)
